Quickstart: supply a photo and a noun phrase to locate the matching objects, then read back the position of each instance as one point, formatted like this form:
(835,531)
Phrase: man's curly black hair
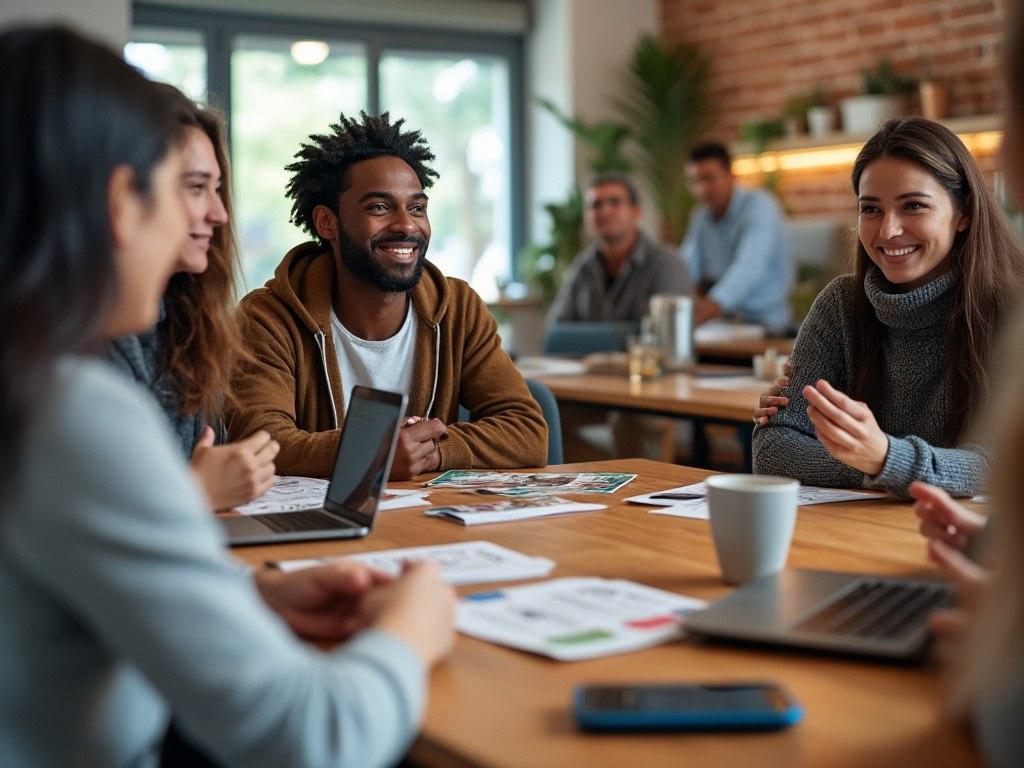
(318,173)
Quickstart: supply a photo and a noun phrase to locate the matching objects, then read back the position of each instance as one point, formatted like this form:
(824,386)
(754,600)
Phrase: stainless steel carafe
(672,318)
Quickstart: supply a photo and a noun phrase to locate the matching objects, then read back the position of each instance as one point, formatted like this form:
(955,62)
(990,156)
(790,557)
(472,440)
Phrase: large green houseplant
(665,103)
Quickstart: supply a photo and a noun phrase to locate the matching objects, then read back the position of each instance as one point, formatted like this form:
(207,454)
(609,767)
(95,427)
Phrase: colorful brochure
(576,618)
(531,483)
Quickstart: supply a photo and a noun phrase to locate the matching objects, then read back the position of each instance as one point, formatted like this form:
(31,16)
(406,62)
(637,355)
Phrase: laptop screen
(364,455)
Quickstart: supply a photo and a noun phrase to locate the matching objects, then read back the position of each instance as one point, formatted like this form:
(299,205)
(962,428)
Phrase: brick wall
(765,51)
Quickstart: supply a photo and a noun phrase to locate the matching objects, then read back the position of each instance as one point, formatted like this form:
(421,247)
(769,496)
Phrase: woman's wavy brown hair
(987,257)
(202,341)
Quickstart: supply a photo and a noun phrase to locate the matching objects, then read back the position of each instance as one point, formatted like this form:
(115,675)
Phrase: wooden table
(675,395)
(495,707)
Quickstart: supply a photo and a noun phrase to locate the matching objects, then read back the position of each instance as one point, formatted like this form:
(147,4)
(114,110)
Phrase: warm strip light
(984,143)
(841,155)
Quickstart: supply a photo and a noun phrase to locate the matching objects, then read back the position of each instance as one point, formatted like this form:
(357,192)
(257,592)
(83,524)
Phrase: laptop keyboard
(291,522)
(878,608)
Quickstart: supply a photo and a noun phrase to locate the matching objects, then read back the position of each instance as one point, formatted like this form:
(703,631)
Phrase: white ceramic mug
(752,520)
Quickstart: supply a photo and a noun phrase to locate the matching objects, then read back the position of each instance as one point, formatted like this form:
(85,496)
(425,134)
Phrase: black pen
(678,496)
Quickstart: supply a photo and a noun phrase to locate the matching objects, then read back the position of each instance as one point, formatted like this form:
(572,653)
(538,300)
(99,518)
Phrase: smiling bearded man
(362,305)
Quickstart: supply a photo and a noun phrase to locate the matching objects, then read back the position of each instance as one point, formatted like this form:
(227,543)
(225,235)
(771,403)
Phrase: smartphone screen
(702,698)
(685,707)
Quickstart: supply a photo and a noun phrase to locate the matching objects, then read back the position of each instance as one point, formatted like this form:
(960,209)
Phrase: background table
(741,350)
(676,395)
(492,706)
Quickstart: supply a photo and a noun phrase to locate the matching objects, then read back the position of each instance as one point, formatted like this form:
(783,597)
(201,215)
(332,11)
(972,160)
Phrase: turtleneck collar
(924,307)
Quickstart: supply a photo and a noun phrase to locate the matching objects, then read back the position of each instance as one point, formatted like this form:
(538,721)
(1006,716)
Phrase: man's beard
(360,261)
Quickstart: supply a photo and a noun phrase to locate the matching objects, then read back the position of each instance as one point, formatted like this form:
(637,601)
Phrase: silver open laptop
(842,612)
(361,467)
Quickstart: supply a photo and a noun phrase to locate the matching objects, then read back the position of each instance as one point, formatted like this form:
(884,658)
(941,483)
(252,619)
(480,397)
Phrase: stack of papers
(294,494)
(697,507)
(469,562)
(576,618)
(531,483)
(393,499)
(510,509)
(536,367)
(720,330)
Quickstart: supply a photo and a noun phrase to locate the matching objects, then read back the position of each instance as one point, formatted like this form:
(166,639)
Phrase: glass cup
(645,358)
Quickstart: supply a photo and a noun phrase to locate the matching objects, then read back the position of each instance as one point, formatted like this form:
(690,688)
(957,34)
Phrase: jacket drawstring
(437,368)
(321,343)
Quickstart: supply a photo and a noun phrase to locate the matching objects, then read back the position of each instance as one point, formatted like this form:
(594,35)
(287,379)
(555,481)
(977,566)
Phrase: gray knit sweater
(916,395)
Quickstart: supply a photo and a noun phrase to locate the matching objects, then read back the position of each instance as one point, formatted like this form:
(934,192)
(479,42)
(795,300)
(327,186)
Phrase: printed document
(576,618)
(697,508)
(468,562)
(294,494)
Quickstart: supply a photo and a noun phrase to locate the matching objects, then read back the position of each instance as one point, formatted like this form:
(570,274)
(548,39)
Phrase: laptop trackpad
(244,526)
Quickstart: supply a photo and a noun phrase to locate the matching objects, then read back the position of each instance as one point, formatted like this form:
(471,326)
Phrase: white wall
(550,160)
(574,54)
(107,20)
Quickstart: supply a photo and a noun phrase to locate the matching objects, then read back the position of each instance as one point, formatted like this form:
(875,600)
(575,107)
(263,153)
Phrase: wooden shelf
(981,134)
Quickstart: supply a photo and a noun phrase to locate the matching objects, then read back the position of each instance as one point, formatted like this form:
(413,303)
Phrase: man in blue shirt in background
(736,247)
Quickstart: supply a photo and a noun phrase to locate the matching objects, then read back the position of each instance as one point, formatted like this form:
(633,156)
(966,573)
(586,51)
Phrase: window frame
(217,28)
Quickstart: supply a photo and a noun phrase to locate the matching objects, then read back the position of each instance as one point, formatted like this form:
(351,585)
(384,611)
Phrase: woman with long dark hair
(117,601)
(892,362)
(186,360)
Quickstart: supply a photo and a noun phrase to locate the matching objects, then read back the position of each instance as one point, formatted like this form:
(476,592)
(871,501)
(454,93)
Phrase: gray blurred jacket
(586,297)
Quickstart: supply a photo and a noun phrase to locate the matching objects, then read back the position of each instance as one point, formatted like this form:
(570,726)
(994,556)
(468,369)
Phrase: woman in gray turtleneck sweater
(892,362)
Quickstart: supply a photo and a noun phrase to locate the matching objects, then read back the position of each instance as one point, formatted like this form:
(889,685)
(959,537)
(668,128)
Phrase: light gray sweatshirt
(916,399)
(119,604)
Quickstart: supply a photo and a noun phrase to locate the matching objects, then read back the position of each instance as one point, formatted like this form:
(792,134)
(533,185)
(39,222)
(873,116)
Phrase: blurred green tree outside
(276,104)
(460,104)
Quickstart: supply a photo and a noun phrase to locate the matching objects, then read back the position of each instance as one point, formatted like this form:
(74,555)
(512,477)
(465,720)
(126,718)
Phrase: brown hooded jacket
(293,388)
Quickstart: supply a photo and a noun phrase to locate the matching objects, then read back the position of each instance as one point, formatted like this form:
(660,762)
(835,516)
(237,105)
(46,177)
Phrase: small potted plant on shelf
(884,97)
(821,117)
(759,133)
(794,114)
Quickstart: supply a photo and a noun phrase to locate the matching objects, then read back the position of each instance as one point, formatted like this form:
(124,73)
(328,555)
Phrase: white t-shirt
(383,364)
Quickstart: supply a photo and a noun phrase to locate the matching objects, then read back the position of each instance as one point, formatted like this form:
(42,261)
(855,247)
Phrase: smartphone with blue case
(692,707)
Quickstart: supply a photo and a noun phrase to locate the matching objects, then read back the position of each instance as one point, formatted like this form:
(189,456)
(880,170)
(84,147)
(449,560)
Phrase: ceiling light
(309,53)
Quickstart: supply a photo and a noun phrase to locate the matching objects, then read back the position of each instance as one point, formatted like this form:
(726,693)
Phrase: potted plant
(884,97)
(794,113)
(664,100)
(760,133)
(821,117)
